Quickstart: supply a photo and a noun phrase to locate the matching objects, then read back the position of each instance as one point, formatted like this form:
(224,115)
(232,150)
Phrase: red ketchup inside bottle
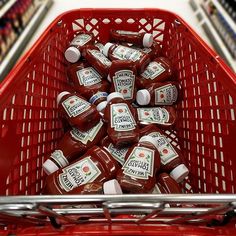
(73,144)
(140,39)
(109,187)
(86,80)
(121,117)
(171,157)
(166,185)
(164,117)
(122,76)
(158,70)
(120,52)
(78,112)
(117,153)
(73,53)
(96,58)
(96,165)
(158,94)
(142,162)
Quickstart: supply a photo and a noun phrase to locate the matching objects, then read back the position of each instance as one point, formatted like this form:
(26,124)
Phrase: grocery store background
(23,21)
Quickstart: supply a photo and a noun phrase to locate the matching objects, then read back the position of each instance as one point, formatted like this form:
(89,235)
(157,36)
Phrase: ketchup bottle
(77,111)
(122,76)
(159,70)
(158,94)
(96,165)
(87,81)
(119,52)
(166,185)
(97,59)
(136,38)
(73,53)
(171,157)
(117,153)
(99,99)
(142,161)
(99,46)
(164,117)
(109,187)
(73,144)
(122,128)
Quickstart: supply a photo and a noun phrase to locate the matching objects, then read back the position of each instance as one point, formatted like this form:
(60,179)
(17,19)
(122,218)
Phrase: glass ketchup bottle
(140,39)
(164,117)
(117,153)
(78,112)
(96,58)
(166,185)
(73,52)
(109,187)
(120,52)
(122,75)
(171,157)
(96,165)
(142,162)
(158,70)
(158,94)
(121,117)
(73,144)
(87,81)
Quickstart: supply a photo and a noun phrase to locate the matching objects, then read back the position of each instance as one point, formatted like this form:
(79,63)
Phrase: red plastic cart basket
(206,131)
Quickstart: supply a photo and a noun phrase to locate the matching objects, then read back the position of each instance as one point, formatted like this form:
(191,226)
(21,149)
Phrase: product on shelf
(122,75)
(120,52)
(79,113)
(142,162)
(158,94)
(73,145)
(96,165)
(122,126)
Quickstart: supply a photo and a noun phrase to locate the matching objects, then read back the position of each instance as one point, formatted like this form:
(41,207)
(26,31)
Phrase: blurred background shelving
(218,19)
(18,21)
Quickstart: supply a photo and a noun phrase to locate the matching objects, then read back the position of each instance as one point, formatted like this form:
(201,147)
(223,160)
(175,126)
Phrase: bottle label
(165,149)
(100,57)
(153,70)
(126,53)
(97,96)
(166,95)
(79,173)
(121,117)
(81,40)
(139,163)
(118,153)
(88,76)
(59,158)
(75,106)
(89,135)
(124,32)
(154,134)
(124,83)
(153,115)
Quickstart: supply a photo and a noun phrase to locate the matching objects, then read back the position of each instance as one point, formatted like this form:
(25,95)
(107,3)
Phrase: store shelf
(226,15)
(6,7)
(212,33)
(19,45)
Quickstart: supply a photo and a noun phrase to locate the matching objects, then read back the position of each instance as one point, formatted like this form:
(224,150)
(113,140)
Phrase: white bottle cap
(109,78)
(72,54)
(60,95)
(112,187)
(106,48)
(179,173)
(147,40)
(149,139)
(143,97)
(101,106)
(114,95)
(49,167)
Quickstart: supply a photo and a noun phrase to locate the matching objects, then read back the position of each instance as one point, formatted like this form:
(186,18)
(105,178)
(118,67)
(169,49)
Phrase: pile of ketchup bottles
(123,98)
